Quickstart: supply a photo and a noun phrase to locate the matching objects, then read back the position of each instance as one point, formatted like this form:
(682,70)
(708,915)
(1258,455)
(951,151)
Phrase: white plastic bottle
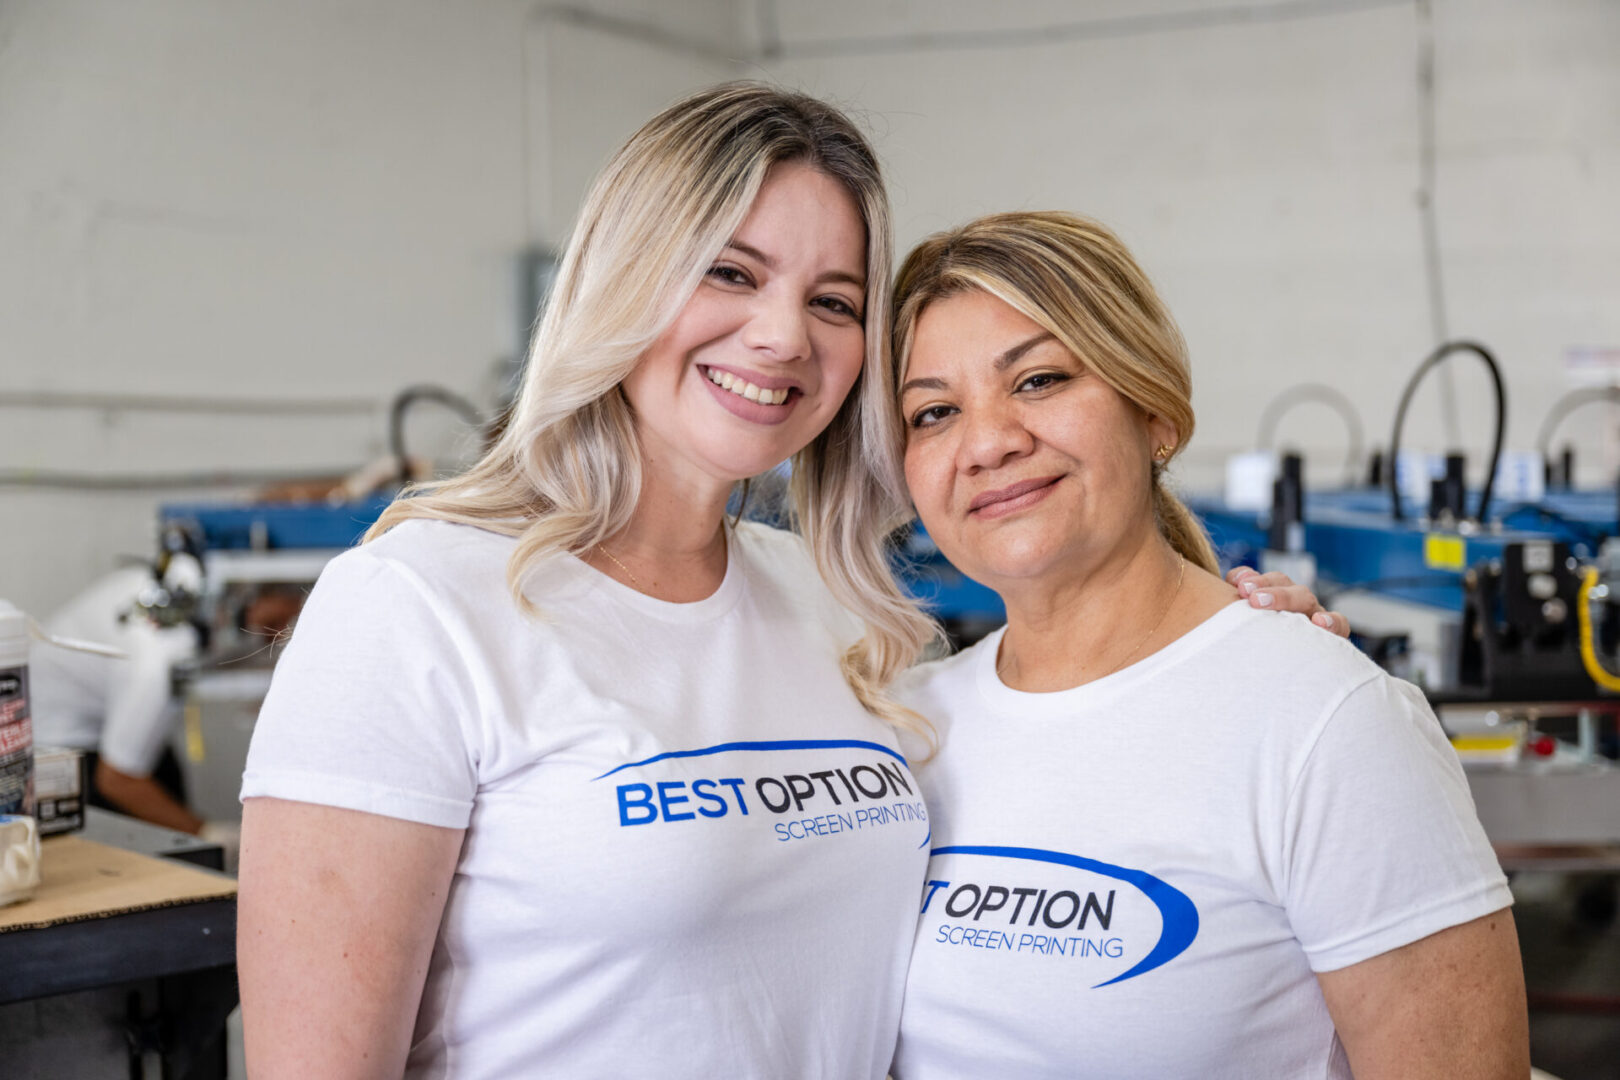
(16,723)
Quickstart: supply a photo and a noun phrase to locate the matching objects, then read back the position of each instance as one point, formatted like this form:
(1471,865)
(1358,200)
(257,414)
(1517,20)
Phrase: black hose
(1327,395)
(1564,406)
(1433,359)
(402,403)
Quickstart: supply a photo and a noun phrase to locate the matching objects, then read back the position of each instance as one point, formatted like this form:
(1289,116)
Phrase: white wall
(318,199)
(279,199)
(1265,168)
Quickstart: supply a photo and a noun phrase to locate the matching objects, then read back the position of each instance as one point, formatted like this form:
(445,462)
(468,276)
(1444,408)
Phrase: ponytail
(1181,528)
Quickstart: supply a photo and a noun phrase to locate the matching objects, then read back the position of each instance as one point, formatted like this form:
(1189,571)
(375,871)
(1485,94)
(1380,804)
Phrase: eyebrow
(928,383)
(770,264)
(1002,363)
(1014,354)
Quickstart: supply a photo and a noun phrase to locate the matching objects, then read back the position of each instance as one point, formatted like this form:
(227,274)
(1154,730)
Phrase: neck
(674,547)
(1061,635)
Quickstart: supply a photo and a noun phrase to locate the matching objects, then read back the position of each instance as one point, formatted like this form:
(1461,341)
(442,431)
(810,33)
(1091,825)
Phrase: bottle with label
(16,724)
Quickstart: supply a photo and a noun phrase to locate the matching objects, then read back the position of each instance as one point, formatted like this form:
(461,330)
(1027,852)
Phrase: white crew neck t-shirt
(1140,877)
(689,851)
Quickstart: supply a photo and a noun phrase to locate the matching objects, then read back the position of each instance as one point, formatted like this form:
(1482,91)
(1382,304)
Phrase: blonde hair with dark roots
(1076,280)
(566,473)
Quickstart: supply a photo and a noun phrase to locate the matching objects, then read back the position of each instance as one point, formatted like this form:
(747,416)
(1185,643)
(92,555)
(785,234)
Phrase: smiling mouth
(740,386)
(1011,497)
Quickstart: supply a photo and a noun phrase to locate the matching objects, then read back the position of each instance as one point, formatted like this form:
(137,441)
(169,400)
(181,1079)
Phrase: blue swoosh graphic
(927,838)
(786,744)
(1180,916)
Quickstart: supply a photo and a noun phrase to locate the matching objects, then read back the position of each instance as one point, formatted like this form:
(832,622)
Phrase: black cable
(1432,360)
(1564,406)
(1327,395)
(402,403)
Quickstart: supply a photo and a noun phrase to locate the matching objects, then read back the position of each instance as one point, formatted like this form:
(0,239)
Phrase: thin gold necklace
(1181,576)
(634,584)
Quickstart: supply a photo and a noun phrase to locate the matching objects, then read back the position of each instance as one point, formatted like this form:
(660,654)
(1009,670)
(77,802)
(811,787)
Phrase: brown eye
(838,306)
(931,415)
(1042,380)
(730,275)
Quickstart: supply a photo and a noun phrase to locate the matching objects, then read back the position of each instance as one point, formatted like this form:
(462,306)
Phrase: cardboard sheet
(82,879)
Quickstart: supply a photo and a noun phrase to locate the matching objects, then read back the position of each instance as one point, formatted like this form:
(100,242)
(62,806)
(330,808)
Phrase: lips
(1012,497)
(720,375)
(755,398)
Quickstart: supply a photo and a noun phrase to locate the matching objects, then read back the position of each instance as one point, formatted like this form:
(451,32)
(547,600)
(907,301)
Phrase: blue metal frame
(1357,543)
(278,525)
(1351,533)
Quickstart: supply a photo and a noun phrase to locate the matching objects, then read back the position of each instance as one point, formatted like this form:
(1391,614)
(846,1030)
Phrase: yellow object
(1442,551)
(1484,743)
(195,750)
(1583,614)
(1497,747)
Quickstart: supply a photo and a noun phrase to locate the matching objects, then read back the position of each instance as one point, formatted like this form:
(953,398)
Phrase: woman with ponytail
(1147,860)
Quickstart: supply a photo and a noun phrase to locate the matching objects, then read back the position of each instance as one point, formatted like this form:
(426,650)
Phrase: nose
(778,328)
(991,435)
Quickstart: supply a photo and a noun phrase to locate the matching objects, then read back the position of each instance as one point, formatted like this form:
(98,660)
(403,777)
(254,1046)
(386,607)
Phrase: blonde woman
(561,774)
(1146,860)
(564,775)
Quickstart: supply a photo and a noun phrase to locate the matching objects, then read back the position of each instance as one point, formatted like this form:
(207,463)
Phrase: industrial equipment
(1506,613)
(259,559)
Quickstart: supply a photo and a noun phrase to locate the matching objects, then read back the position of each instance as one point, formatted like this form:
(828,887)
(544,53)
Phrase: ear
(1161,432)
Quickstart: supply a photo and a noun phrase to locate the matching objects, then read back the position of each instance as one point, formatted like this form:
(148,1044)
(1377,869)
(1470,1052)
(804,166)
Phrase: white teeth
(742,387)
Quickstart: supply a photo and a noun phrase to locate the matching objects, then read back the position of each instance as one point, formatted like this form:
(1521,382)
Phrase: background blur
(230,232)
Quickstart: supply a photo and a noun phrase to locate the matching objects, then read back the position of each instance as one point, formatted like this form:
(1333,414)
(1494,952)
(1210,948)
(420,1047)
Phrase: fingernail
(1321,618)
(1264,599)
(1247,587)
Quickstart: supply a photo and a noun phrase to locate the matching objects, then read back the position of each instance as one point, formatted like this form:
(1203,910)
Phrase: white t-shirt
(123,708)
(689,851)
(1139,877)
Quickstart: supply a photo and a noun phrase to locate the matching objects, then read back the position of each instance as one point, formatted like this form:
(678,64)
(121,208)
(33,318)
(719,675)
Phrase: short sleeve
(371,706)
(1382,844)
(141,710)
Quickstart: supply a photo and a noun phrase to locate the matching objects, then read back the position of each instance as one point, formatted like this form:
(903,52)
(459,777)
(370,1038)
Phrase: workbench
(124,960)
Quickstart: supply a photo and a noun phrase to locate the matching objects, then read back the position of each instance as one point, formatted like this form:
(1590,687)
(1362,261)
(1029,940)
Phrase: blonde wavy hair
(1076,280)
(566,473)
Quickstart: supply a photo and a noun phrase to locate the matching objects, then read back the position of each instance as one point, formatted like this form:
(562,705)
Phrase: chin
(731,466)
(1018,557)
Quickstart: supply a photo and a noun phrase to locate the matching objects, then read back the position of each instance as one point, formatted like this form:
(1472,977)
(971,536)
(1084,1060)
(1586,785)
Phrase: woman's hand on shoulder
(337,912)
(1277,592)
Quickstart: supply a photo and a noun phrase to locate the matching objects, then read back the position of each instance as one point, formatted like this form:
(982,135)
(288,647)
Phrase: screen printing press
(249,553)
(1486,620)
(1511,629)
